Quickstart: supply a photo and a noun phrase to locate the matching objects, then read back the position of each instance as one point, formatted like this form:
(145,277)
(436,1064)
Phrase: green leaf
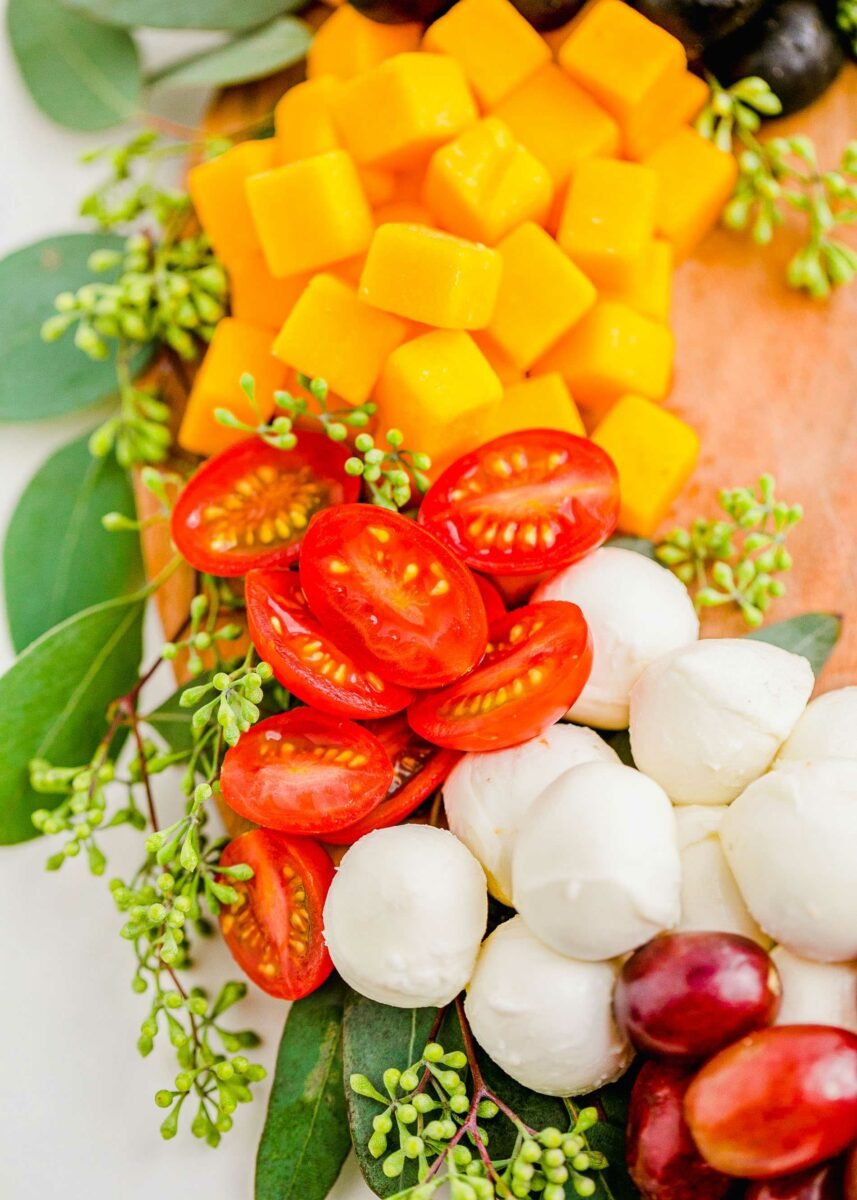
(639,545)
(251,56)
(57,557)
(305,1140)
(39,380)
(54,699)
(81,74)
(814,635)
(185,14)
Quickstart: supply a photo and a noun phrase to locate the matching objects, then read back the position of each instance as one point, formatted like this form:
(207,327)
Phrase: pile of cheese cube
(475,227)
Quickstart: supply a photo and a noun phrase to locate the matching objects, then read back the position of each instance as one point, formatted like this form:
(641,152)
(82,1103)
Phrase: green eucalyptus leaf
(639,545)
(305,1140)
(38,380)
(261,52)
(54,699)
(57,557)
(814,635)
(185,14)
(81,74)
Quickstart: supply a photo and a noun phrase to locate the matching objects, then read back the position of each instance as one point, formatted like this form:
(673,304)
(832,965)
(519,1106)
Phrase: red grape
(687,995)
(778,1101)
(819,1183)
(662,1159)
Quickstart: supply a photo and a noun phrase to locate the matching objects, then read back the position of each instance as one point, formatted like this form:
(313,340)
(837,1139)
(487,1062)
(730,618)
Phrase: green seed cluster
(389,473)
(205,635)
(235,706)
(846,19)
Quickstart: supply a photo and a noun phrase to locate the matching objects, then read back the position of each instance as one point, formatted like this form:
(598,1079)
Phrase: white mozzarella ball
(636,611)
(816,993)
(547,1020)
(487,796)
(827,729)
(706,720)
(791,841)
(405,915)
(595,871)
(710,899)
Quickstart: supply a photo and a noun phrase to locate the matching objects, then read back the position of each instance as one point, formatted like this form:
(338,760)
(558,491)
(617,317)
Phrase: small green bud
(406,1113)
(391,1079)
(163,1098)
(409,1080)
(394,1164)
(553,1157)
(550,1137)
(554,1191)
(587,1118)
(459,1103)
(413,1147)
(583,1186)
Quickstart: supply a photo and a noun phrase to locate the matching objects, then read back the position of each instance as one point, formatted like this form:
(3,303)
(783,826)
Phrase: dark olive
(790,46)
(400,12)
(699,23)
(548,14)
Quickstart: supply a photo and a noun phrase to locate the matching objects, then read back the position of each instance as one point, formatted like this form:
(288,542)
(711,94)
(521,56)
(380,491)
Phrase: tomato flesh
(536,663)
(306,772)
(400,602)
(274,932)
(250,505)
(419,768)
(305,658)
(525,502)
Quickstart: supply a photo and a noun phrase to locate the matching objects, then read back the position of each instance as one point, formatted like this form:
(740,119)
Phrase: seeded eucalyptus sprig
(781,173)
(846,19)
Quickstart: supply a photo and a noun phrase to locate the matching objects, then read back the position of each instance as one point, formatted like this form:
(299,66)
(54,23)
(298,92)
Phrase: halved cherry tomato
(250,505)
(400,602)
(525,502)
(419,768)
(306,772)
(274,932)
(537,661)
(305,658)
(495,607)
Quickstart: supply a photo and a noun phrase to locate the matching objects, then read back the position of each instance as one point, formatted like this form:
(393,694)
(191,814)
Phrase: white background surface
(77,1118)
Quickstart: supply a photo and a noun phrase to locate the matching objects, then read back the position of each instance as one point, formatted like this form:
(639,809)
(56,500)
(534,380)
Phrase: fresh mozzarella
(710,899)
(791,840)
(405,914)
(636,611)
(708,719)
(487,796)
(816,993)
(595,870)
(827,729)
(547,1020)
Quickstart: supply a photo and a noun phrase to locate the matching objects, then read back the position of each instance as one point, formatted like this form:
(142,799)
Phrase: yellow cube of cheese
(654,452)
(649,291)
(677,102)
(484,183)
(609,219)
(613,350)
(260,299)
(303,121)
(217,188)
(235,350)
(695,180)
(497,47)
(430,382)
(332,335)
(431,277)
(348,44)
(542,294)
(397,114)
(311,213)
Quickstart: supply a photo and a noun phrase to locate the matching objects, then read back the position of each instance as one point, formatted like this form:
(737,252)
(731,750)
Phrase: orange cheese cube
(217,188)
(654,452)
(303,121)
(650,289)
(349,270)
(695,180)
(609,219)
(484,183)
(502,366)
(558,122)
(543,402)
(613,350)
(678,101)
(332,335)
(236,349)
(404,212)
(348,44)
(311,213)
(431,381)
(431,277)
(496,46)
(542,294)
(620,57)
(260,299)
(379,186)
(397,114)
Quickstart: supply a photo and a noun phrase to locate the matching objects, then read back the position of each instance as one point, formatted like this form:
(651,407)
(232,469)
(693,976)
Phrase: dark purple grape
(699,23)
(400,12)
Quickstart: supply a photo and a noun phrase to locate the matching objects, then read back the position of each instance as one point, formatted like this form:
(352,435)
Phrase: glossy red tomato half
(525,502)
(495,606)
(399,601)
(305,658)
(250,505)
(536,663)
(306,772)
(419,768)
(274,932)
